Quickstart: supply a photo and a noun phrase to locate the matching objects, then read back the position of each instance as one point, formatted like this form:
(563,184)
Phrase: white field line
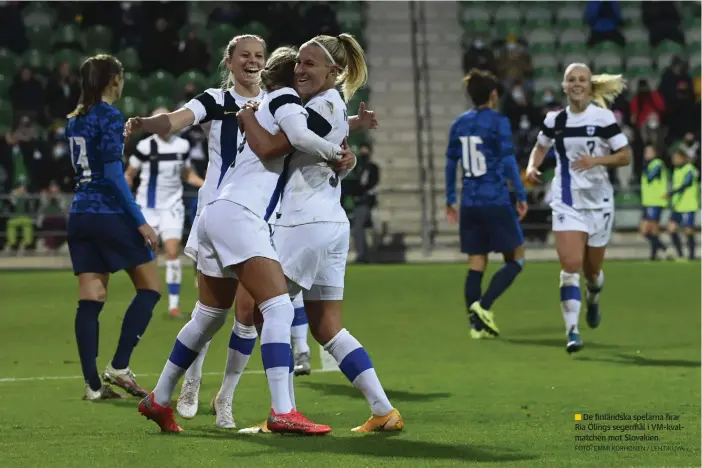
(72,377)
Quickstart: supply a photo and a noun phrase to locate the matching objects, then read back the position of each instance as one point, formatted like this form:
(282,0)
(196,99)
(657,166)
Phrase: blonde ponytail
(355,75)
(606,88)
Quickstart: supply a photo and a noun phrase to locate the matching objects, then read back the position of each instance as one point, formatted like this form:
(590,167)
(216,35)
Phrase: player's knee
(569,279)
(209,319)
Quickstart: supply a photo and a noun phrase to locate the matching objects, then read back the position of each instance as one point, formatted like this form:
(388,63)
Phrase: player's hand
(347,159)
(452,214)
(533,175)
(244,115)
(251,104)
(522,209)
(367,118)
(150,237)
(133,125)
(584,163)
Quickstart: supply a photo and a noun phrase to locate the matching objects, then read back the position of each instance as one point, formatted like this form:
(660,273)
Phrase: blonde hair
(228,79)
(605,87)
(348,55)
(280,69)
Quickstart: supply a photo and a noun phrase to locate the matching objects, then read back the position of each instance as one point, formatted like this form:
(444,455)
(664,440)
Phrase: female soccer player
(654,185)
(312,234)
(227,256)
(106,230)
(587,141)
(685,197)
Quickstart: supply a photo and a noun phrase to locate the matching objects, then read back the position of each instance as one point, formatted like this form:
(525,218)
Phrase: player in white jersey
(234,246)
(162,163)
(243,59)
(587,141)
(312,232)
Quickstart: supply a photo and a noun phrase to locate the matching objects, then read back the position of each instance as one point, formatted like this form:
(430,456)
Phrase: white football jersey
(593,132)
(312,190)
(252,182)
(219,107)
(160,163)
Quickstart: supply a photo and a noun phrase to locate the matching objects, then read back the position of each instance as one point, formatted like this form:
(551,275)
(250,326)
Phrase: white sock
(594,288)
(278,315)
(570,300)
(191,339)
(173,279)
(241,345)
(299,327)
(356,365)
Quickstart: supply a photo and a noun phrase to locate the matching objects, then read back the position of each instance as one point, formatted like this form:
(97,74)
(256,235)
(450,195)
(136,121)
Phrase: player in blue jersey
(481,141)
(106,230)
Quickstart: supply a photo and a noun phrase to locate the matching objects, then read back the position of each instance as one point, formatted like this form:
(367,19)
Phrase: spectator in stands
(514,64)
(60,166)
(676,87)
(368,179)
(225,13)
(127,31)
(160,48)
(627,175)
(662,19)
(647,108)
(193,54)
(62,92)
(52,220)
(549,102)
(604,19)
(479,56)
(27,95)
(525,121)
(12,28)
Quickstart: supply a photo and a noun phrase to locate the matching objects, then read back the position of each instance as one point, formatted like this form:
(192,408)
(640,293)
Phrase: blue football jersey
(481,141)
(96,139)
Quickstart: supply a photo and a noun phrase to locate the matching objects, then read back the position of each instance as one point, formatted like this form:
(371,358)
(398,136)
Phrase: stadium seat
(507,28)
(546,70)
(544,61)
(639,63)
(473,15)
(133,85)
(631,12)
(607,47)
(541,84)
(695,64)
(635,34)
(627,199)
(693,35)
(576,57)
(36,35)
(8,62)
(201,32)
(196,15)
(159,101)
(607,61)
(638,48)
(537,17)
(131,107)
(258,29)
(350,18)
(35,60)
(191,76)
(221,35)
(573,36)
(67,35)
(508,12)
(38,14)
(99,37)
(71,56)
(160,83)
(670,47)
(5,83)
(130,59)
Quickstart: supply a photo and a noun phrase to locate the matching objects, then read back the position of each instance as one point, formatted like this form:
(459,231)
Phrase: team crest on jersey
(334,180)
(590,130)
(561,218)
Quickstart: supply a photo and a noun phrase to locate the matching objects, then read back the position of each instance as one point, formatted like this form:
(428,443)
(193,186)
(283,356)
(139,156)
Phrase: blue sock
(136,319)
(675,237)
(500,282)
(691,246)
(654,245)
(174,289)
(87,330)
(472,286)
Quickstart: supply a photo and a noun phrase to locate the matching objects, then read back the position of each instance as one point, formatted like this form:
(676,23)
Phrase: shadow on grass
(629,360)
(369,445)
(555,343)
(351,391)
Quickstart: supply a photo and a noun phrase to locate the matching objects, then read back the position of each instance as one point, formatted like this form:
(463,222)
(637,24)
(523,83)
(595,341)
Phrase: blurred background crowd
(171,51)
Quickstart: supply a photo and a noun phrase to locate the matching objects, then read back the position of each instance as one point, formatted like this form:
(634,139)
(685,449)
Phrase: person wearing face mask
(368,175)
(587,141)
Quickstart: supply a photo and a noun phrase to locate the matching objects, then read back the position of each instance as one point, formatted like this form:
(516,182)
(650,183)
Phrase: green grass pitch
(509,402)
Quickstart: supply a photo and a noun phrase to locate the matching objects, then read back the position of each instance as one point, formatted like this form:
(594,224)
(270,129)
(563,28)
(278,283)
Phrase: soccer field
(509,402)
